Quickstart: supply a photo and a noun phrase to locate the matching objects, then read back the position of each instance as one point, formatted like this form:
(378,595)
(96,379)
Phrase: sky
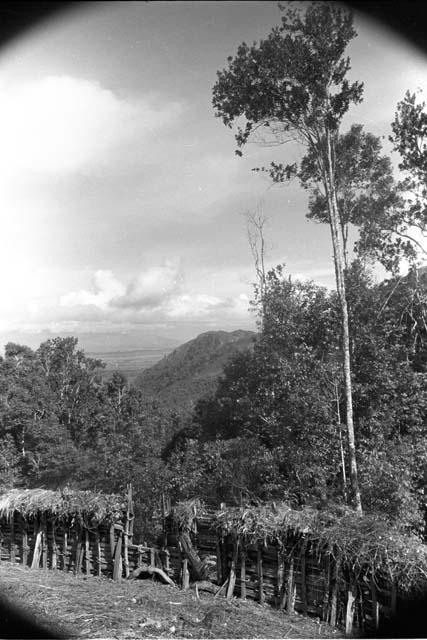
(122,201)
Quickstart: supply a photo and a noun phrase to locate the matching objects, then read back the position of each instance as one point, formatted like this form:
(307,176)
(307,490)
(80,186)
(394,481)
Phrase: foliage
(363,545)
(284,401)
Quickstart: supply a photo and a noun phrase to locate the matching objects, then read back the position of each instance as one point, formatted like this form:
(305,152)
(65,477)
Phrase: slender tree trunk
(334,220)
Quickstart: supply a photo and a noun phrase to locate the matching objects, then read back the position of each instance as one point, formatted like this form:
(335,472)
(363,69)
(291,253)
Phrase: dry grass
(100,608)
(67,503)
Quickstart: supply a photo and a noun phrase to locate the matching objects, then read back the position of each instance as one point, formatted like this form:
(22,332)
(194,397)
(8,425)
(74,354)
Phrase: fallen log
(199,569)
(150,570)
(205,585)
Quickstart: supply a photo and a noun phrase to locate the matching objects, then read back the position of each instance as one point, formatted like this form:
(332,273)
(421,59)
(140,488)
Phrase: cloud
(63,124)
(196,305)
(105,288)
(154,295)
(151,288)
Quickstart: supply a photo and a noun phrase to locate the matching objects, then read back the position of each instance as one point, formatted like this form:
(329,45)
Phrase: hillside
(180,378)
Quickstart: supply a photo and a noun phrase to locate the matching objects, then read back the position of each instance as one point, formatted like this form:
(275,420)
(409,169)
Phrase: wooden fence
(297,576)
(68,544)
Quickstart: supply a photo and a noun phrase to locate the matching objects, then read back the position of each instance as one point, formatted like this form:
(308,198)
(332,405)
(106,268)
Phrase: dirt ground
(75,606)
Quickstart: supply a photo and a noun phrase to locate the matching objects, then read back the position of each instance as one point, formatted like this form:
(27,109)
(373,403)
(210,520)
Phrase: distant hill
(180,378)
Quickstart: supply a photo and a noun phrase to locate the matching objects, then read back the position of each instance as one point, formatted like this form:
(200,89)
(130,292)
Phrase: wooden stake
(12,538)
(44,542)
(243,574)
(349,614)
(78,551)
(232,576)
(25,548)
(98,553)
(261,595)
(127,531)
(112,546)
(375,604)
(303,578)
(334,598)
(38,539)
(185,575)
(290,588)
(117,568)
(326,587)
(65,550)
(280,578)
(54,547)
(219,576)
(87,553)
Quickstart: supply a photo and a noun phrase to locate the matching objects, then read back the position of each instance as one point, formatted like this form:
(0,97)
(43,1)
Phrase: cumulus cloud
(154,295)
(105,287)
(62,124)
(151,288)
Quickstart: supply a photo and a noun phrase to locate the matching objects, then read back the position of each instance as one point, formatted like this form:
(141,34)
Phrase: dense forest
(269,429)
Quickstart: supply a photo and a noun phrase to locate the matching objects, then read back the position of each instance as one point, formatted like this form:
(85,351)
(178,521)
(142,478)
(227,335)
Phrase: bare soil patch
(76,606)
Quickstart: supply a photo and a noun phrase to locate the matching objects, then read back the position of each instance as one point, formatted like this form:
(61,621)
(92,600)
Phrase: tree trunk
(199,569)
(334,221)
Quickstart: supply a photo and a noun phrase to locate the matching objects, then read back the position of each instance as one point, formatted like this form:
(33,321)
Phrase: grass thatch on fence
(184,514)
(363,544)
(87,507)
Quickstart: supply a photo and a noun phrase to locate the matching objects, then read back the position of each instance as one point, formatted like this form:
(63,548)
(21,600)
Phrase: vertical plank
(117,568)
(87,553)
(54,547)
(260,572)
(131,513)
(112,546)
(375,604)
(303,578)
(243,574)
(127,530)
(37,542)
(44,543)
(185,575)
(219,575)
(98,553)
(290,588)
(25,547)
(12,538)
(65,550)
(349,614)
(78,551)
(232,575)
(326,587)
(334,595)
(280,578)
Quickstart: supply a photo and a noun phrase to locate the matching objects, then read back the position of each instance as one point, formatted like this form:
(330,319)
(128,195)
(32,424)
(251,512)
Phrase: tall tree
(293,85)
(410,140)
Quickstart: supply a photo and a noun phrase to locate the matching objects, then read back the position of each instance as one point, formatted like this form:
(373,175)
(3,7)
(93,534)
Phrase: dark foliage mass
(273,428)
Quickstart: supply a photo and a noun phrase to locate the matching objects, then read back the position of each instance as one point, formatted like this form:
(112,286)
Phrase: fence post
(303,578)
(243,574)
(261,595)
(290,588)
(375,604)
(232,575)
(349,615)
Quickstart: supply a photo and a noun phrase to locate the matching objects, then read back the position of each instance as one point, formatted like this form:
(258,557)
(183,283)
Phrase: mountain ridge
(191,370)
